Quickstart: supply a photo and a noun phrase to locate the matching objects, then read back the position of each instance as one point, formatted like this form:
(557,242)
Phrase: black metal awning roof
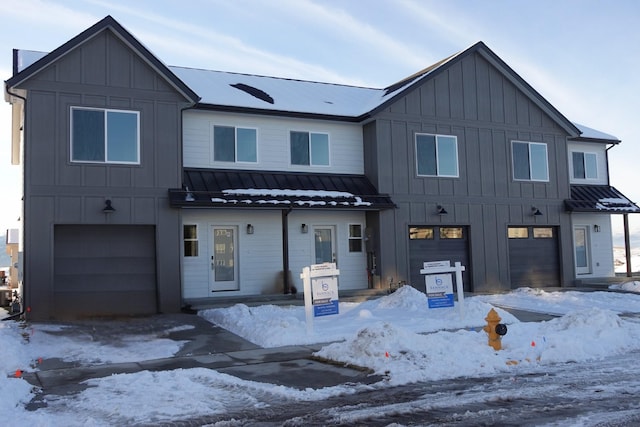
(276,190)
(599,198)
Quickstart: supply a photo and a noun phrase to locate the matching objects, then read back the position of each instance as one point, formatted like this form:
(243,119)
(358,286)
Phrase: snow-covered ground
(396,336)
(620,259)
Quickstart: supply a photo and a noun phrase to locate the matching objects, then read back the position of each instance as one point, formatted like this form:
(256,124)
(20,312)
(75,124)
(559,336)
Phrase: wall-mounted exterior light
(249,229)
(107,207)
(596,228)
(304,228)
(535,211)
(441,210)
(189,197)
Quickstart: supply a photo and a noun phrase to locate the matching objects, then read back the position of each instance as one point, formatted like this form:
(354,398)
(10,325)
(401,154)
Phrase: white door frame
(223,268)
(581,241)
(319,232)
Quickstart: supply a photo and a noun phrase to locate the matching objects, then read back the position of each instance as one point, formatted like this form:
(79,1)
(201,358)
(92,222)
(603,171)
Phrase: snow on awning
(276,190)
(599,198)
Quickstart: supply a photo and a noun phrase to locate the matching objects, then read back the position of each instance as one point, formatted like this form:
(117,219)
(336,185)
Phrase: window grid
(355,237)
(190,233)
(235,144)
(437,155)
(530,161)
(115,134)
(309,148)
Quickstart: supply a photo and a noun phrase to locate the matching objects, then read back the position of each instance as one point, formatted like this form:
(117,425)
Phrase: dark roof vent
(253,91)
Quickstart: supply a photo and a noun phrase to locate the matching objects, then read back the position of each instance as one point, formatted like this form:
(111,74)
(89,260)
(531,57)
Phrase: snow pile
(276,326)
(627,286)
(404,356)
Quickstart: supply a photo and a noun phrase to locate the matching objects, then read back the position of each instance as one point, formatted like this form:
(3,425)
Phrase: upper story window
(585,165)
(437,155)
(530,161)
(309,148)
(105,136)
(234,144)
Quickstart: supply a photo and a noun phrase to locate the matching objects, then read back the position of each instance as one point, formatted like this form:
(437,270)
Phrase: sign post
(320,291)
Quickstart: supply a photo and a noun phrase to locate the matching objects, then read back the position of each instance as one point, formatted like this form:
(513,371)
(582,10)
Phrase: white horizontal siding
(260,253)
(586,147)
(345,142)
(600,243)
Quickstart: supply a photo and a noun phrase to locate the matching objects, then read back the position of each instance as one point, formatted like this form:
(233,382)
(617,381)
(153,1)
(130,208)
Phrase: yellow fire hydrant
(495,329)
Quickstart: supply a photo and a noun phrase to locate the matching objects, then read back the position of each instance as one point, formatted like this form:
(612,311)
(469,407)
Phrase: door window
(223,259)
(324,251)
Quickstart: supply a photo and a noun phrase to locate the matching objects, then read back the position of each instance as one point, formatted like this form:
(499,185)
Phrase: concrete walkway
(207,346)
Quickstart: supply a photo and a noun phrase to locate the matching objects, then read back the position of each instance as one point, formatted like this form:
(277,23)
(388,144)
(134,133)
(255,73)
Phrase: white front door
(224,265)
(581,248)
(324,244)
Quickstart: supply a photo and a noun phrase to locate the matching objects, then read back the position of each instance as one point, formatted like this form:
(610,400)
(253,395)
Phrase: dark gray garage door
(534,257)
(102,270)
(435,243)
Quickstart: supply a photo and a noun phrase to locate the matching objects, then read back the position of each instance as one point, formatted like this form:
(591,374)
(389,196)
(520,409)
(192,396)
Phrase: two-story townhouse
(149,187)
(97,128)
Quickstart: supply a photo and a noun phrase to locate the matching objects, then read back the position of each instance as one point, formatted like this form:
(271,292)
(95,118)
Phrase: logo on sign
(325,286)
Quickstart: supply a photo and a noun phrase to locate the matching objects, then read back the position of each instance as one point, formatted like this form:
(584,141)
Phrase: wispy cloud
(208,48)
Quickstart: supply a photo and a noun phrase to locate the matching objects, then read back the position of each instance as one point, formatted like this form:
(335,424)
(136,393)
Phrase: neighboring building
(216,183)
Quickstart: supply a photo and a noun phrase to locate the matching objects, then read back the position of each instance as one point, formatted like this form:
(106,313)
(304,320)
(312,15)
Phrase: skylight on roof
(253,91)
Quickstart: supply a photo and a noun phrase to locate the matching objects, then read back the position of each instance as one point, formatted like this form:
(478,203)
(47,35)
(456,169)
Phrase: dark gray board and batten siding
(486,111)
(102,71)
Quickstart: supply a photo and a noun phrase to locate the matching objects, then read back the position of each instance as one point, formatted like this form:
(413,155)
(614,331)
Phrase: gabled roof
(108,23)
(599,198)
(276,190)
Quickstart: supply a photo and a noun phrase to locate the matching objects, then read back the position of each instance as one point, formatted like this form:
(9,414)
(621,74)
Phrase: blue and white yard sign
(439,290)
(325,296)
(320,291)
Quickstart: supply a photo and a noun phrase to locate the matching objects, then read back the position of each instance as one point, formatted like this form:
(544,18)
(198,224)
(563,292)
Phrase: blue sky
(580,55)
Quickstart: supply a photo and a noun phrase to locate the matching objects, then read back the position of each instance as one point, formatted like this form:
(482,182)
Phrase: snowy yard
(395,336)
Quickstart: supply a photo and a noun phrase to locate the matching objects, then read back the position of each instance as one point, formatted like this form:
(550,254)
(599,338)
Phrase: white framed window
(190,236)
(355,237)
(585,165)
(101,135)
(309,148)
(530,161)
(437,155)
(235,144)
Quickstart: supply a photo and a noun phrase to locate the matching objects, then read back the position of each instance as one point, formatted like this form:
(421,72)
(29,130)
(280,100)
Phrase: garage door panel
(78,304)
(435,248)
(97,267)
(534,262)
(103,282)
(120,265)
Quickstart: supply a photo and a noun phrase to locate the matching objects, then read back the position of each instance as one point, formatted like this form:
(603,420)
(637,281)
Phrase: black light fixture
(535,211)
(249,229)
(596,228)
(304,228)
(107,207)
(441,210)
(189,197)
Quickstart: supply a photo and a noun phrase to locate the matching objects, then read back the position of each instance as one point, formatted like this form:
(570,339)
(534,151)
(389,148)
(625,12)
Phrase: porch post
(627,243)
(285,251)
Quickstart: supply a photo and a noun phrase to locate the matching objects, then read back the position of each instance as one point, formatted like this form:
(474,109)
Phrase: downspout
(23,308)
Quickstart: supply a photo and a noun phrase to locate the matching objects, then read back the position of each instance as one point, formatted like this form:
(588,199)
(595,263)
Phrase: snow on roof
(221,89)
(587,132)
(248,91)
